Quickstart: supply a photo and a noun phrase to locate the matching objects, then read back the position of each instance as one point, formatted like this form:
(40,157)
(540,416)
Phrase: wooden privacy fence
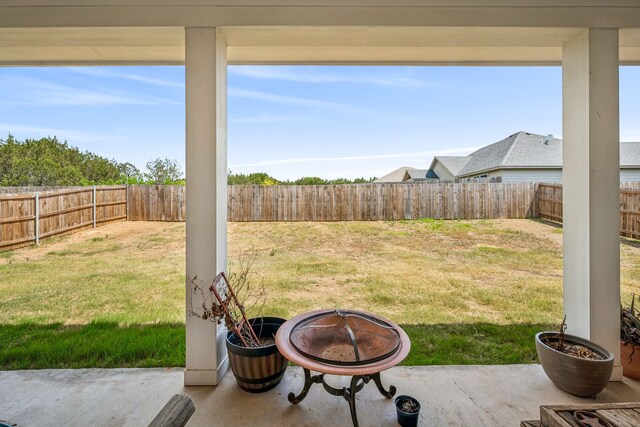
(346,202)
(550,201)
(27,218)
(550,206)
(374,202)
(157,203)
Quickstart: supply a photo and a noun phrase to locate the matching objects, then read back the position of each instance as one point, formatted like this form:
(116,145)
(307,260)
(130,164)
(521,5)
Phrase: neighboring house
(524,157)
(407,174)
(447,167)
(415,175)
(399,174)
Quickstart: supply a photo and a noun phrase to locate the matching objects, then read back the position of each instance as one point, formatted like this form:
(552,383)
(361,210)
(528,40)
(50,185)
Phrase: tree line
(50,162)
(261,178)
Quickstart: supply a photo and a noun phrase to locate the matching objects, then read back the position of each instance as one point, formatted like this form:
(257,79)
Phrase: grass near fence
(466,292)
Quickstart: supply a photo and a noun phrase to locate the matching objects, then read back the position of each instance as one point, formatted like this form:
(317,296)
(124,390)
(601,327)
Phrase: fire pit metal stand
(349,393)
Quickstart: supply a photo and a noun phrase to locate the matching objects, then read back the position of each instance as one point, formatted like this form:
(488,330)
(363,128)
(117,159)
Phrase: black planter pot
(406,419)
(580,377)
(257,369)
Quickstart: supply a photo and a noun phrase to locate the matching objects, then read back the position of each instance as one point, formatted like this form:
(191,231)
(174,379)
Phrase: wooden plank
(621,417)
(16,241)
(175,413)
(17,219)
(553,415)
(64,211)
(64,230)
(16,197)
(58,193)
(114,218)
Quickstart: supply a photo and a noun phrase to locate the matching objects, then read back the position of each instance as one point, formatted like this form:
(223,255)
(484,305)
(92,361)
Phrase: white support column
(591,175)
(206,176)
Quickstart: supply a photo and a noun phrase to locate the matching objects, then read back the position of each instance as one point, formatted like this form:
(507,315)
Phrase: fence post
(37,219)
(94,206)
(126,197)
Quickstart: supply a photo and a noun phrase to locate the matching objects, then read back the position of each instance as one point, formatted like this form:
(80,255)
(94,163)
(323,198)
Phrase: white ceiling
(300,45)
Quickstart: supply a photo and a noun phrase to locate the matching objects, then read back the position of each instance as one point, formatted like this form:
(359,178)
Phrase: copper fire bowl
(371,344)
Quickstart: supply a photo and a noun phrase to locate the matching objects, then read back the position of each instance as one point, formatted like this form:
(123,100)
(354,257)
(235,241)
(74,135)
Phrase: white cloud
(28,91)
(35,132)
(268,118)
(290,100)
(101,72)
(409,156)
(309,75)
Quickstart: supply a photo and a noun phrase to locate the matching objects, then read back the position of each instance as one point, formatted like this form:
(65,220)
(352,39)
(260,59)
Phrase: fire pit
(342,342)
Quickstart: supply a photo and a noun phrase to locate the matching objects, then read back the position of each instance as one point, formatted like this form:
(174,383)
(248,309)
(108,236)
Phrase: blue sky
(298,121)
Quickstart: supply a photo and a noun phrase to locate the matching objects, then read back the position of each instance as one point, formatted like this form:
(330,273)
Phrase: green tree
(258,178)
(163,171)
(310,180)
(129,173)
(261,178)
(47,161)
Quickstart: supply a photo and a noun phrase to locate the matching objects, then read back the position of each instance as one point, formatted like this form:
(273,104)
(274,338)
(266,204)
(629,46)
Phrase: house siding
(551,175)
(528,175)
(522,175)
(630,175)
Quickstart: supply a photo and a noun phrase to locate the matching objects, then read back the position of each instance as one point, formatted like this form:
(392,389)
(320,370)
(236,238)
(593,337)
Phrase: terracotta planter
(257,369)
(580,377)
(630,363)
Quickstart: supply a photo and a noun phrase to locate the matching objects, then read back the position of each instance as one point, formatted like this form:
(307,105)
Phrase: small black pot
(257,369)
(406,419)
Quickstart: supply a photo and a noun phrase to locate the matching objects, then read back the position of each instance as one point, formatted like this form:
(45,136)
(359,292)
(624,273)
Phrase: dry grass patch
(411,271)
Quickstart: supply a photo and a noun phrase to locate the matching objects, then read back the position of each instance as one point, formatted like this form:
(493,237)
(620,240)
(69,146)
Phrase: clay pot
(580,377)
(630,364)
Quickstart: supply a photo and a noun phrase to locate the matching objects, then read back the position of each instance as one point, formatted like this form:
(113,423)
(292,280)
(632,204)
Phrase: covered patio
(590,39)
(450,396)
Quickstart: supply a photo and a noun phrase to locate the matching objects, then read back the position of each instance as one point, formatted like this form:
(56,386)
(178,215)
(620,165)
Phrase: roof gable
(521,149)
(395,176)
(416,174)
(453,164)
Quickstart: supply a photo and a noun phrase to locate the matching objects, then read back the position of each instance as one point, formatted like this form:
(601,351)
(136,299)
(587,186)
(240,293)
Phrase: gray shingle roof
(395,176)
(529,150)
(629,154)
(521,149)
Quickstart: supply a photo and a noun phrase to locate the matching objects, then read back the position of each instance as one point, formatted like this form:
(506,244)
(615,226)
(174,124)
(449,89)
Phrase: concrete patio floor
(450,396)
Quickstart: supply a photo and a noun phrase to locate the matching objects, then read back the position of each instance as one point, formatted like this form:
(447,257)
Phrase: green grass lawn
(466,292)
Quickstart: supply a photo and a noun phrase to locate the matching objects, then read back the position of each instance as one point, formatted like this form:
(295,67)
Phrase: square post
(36,229)
(591,175)
(95,206)
(206,182)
